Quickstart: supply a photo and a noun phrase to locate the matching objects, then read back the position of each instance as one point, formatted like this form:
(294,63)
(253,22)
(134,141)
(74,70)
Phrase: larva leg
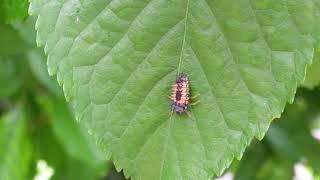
(195,96)
(189,114)
(194,103)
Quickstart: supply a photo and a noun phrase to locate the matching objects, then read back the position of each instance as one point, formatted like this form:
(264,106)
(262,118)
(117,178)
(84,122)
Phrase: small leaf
(116,61)
(16,150)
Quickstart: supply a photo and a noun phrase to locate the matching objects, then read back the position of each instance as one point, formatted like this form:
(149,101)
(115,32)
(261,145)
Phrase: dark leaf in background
(11,74)
(256,155)
(10,41)
(37,62)
(287,142)
(114,175)
(290,136)
(26,31)
(49,149)
(260,163)
(13,10)
(75,139)
(276,169)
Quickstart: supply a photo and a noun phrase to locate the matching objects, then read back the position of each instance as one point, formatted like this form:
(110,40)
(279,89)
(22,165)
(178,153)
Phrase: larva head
(178,109)
(182,78)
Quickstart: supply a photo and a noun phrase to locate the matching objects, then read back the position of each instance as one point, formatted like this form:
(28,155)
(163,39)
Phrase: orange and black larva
(180,94)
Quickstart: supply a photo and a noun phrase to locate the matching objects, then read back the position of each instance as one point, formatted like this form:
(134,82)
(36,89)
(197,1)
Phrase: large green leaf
(15,151)
(117,59)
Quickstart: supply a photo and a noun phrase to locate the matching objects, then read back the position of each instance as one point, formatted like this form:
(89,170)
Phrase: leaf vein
(211,90)
(229,49)
(143,101)
(147,56)
(82,30)
(184,38)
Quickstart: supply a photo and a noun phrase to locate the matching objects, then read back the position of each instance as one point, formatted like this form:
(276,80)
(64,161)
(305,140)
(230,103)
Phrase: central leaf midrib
(184,38)
(171,121)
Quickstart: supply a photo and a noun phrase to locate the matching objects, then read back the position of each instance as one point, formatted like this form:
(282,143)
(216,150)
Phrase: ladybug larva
(180,94)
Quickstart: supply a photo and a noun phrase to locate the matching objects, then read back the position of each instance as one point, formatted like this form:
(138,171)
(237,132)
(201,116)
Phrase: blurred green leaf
(260,163)
(50,149)
(275,169)
(37,62)
(288,140)
(35,56)
(73,137)
(252,161)
(13,10)
(11,74)
(290,136)
(11,42)
(16,149)
(114,175)
(26,30)
(313,72)
(316,122)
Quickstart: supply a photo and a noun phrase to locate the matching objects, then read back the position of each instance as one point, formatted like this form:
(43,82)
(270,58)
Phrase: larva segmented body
(180,94)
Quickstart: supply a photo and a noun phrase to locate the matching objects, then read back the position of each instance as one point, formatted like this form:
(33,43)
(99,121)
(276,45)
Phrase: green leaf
(35,56)
(114,175)
(11,42)
(13,10)
(11,70)
(15,151)
(117,59)
(26,30)
(276,169)
(252,162)
(49,148)
(37,62)
(288,140)
(76,141)
(313,73)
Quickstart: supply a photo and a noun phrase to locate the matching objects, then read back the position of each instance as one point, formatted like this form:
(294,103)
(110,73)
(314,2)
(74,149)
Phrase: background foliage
(36,123)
